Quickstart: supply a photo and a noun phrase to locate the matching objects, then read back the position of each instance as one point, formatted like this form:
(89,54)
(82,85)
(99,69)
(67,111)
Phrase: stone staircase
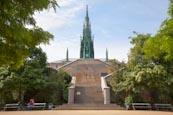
(89,107)
(88,95)
(86,92)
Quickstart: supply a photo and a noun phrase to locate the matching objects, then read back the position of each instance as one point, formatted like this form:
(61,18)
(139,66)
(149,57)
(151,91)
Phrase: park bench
(143,106)
(159,106)
(39,105)
(15,106)
(11,106)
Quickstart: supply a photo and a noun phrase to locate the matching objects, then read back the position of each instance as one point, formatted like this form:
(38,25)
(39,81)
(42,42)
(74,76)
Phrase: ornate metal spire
(106,55)
(87,49)
(67,58)
(87,11)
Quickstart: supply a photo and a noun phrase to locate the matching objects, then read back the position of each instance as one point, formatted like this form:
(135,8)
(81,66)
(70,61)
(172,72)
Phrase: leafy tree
(149,68)
(160,45)
(159,50)
(123,82)
(30,76)
(117,69)
(136,55)
(142,76)
(56,91)
(16,39)
(34,80)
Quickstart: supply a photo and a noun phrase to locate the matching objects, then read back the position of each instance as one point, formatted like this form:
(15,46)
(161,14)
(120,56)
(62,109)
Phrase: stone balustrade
(106,90)
(71,91)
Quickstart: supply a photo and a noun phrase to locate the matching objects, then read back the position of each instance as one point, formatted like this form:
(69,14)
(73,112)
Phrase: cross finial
(87,10)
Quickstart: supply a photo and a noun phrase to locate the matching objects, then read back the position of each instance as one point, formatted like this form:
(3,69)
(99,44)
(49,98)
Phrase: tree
(160,45)
(142,76)
(159,49)
(34,79)
(30,76)
(136,54)
(117,70)
(16,40)
(149,71)
(56,90)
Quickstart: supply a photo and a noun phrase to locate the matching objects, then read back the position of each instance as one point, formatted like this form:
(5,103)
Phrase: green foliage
(29,76)
(160,45)
(117,68)
(158,49)
(56,91)
(147,73)
(34,80)
(16,39)
(170,10)
(136,53)
(128,100)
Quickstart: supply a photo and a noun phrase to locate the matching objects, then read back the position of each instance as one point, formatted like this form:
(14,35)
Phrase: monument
(89,75)
(87,49)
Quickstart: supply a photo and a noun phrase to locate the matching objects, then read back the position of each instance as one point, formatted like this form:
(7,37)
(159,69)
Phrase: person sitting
(31,104)
(21,105)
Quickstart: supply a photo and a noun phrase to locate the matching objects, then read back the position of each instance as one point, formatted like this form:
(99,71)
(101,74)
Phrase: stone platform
(89,107)
(87,85)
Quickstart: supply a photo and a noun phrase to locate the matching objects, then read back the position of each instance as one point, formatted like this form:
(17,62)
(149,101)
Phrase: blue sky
(112,23)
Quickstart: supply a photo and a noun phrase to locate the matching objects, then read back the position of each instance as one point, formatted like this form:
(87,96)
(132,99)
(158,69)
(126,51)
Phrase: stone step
(89,107)
(90,94)
(88,80)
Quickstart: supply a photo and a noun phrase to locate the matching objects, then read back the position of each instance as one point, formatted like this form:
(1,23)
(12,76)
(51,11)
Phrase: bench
(16,106)
(143,106)
(159,106)
(39,105)
(11,106)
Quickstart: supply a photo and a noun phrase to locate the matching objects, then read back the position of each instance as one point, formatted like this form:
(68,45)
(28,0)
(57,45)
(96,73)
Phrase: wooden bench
(159,106)
(11,106)
(143,106)
(39,105)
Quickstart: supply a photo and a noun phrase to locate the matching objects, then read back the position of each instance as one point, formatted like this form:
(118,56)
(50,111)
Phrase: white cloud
(62,3)
(49,20)
(72,11)
(56,20)
(64,15)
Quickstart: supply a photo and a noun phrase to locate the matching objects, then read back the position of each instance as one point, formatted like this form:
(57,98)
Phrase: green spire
(87,11)
(67,59)
(87,49)
(107,55)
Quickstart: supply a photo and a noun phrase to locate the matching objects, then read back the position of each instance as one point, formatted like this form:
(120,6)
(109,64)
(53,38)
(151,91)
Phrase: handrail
(73,82)
(71,91)
(103,83)
(106,90)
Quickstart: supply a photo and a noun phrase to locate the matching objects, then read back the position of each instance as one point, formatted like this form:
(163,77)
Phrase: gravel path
(85,112)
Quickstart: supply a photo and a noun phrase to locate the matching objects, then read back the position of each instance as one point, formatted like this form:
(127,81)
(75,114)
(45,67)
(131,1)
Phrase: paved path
(85,112)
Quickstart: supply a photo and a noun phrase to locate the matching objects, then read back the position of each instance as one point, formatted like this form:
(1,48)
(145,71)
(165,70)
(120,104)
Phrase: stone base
(89,107)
